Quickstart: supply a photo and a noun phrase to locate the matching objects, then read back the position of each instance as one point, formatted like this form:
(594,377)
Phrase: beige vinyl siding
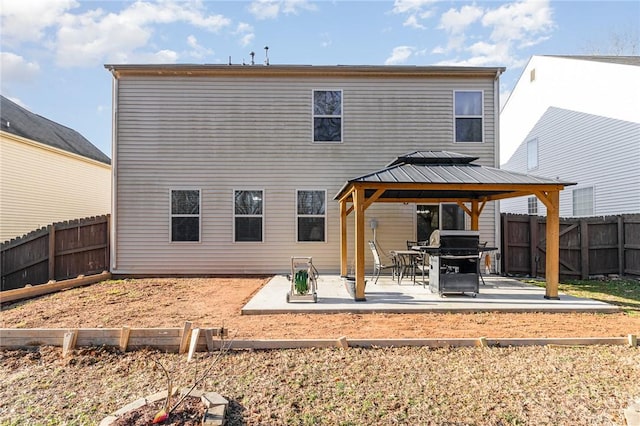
(218,134)
(40,185)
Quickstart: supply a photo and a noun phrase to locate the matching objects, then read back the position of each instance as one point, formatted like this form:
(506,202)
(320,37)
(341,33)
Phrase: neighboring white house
(577,118)
(233,169)
(48,173)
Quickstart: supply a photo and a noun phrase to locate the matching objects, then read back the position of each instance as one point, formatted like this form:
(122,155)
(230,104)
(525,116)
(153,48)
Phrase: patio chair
(378,266)
(480,253)
(421,263)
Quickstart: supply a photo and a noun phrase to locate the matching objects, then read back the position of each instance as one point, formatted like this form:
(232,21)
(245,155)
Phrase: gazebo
(441,176)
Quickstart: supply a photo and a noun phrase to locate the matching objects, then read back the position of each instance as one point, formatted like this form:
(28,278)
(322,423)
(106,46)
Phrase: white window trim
(535,167)
(481,116)
(313,116)
(311,215)
(593,201)
(233,207)
(199,215)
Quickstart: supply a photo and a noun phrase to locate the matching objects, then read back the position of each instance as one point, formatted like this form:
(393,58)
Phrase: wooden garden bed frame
(191,340)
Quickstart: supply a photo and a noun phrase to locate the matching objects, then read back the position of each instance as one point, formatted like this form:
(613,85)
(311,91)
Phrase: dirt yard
(216,302)
(467,386)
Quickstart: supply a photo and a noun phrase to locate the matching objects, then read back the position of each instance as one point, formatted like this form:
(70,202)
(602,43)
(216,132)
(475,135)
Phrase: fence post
(107,250)
(584,248)
(52,251)
(505,243)
(621,253)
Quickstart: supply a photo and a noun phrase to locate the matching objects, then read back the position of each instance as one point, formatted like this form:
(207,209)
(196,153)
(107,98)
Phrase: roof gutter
(356,71)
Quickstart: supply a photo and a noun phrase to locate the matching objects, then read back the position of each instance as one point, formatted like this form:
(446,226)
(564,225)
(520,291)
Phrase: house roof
(621,60)
(443,175)
(193,70)
(21,122)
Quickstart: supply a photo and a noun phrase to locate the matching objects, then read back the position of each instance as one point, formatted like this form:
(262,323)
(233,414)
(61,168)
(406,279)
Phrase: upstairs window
(583,201)
(532,154)
(185,215)
(248,215)
(311,214)
(468,116)
(327,115)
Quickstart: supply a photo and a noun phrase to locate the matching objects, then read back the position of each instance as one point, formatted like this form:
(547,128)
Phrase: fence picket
(590,246)
(59,251)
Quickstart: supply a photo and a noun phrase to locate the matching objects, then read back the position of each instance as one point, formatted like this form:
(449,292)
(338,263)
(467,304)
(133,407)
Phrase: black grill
(454,262)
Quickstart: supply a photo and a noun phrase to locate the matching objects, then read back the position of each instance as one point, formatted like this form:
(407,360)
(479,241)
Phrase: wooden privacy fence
(589,246)
(59,251)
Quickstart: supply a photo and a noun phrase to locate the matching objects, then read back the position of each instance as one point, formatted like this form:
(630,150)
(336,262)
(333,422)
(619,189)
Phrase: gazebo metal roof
(442,176)
(446,175)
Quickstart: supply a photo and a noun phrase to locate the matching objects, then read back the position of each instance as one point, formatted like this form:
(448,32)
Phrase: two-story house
(48,173)
(577,118)
(224,169)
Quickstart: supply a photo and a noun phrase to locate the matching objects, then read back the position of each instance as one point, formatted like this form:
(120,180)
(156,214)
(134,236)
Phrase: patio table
(406,260)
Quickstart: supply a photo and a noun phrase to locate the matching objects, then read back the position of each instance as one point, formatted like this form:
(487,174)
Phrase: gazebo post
(475,215)
(358,204)
(343,238)
(552,267)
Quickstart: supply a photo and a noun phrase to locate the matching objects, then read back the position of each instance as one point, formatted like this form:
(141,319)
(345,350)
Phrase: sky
(52,52)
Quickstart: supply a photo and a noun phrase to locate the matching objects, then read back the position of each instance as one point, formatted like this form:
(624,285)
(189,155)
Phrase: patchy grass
(621,292)
(534,385)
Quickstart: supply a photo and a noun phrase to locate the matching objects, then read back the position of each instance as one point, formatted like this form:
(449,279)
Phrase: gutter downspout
(114,170)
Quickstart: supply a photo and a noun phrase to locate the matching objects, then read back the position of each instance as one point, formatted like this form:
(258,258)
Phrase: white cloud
(243,27)
(520,20)
(265,9)
(399,55)
(456,21)
(160,57)
(511,26)
(247,39)
(293,6)
(270,9)
(416,11)
(326,40)
(197,51)
(95,36)
(245,31)
(412,22)
(15,68)
(533,41)
(26,20)
(412,6)
(192,41)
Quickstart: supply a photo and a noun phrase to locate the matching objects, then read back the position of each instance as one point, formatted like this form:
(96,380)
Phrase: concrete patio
(499,294)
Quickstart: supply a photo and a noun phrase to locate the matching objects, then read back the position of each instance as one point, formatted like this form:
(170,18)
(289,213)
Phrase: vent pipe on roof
(253,54)
(266,55)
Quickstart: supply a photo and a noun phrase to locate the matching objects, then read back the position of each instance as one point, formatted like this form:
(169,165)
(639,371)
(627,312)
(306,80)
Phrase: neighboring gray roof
(21,122)
(445,168)
(621,60)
